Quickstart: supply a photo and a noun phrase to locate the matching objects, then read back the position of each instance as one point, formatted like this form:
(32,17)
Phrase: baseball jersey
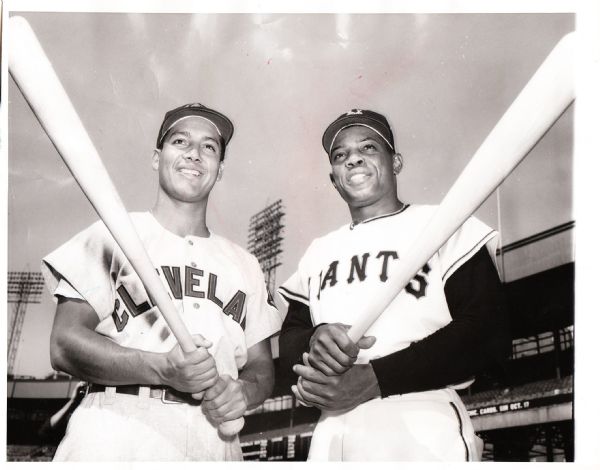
(217,287)
(341,272)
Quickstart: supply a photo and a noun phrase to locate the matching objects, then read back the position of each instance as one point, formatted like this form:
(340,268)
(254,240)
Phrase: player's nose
(354,159)
(193,153)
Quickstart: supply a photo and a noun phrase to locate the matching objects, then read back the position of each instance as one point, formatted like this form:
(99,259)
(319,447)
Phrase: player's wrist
(159,368)
(371,384)
(313,336)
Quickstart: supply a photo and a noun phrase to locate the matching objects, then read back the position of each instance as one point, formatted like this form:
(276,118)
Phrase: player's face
(189,163)
(362,168)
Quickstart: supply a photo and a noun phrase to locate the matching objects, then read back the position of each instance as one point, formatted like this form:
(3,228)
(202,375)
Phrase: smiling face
(189,163)
(362,170)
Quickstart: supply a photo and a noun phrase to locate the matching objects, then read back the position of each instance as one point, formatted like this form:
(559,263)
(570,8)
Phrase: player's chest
(195,280)
(361,266)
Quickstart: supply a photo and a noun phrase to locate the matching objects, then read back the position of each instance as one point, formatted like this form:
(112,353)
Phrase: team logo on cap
(353,112)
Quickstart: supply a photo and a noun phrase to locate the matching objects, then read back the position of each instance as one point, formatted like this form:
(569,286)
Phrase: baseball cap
(220,121)
(358,117)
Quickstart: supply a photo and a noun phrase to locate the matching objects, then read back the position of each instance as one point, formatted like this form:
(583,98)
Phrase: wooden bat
(36,79)
(543,100)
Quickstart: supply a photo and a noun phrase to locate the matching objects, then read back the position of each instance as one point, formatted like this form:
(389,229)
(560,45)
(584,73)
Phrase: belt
(166,394)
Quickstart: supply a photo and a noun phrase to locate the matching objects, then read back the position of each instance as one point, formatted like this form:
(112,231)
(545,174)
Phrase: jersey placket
(193,276)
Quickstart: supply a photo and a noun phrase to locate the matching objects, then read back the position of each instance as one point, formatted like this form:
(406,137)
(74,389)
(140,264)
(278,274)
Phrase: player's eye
(369,147)
(178,141)
(337,156)
(210,147)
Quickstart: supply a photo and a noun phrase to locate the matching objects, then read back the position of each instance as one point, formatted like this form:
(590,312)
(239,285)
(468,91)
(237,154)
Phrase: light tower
(24,287)
(265,239)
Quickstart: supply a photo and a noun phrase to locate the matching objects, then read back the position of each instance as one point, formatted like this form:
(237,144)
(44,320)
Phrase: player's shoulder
(426,211)
(233,248)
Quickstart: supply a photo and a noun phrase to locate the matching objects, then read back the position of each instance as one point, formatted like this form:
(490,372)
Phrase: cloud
(60,181)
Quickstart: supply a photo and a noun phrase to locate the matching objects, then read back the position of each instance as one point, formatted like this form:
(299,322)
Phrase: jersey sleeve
(83,264)
(262,317)
(297,285)
(463,245)
(64,289)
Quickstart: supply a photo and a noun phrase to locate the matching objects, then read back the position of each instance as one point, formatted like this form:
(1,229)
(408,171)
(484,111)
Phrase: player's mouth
(357,177)
(192,172)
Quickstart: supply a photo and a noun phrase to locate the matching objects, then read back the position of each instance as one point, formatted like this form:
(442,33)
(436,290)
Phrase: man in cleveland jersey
(143,399)
(392,395)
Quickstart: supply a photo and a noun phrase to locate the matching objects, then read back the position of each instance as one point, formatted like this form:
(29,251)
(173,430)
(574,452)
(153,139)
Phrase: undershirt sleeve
(294,338)
(477,337)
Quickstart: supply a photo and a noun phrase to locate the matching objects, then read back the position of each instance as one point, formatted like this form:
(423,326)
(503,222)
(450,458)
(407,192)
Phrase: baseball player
(390,396)
(144,395)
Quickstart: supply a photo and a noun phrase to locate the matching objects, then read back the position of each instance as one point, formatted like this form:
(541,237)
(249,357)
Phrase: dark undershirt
(477,338)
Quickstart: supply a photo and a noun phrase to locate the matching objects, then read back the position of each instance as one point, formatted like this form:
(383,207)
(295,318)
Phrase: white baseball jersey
(219,291)
(337,277)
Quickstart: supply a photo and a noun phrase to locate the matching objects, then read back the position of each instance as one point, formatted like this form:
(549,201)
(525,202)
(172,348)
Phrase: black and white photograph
(327,233)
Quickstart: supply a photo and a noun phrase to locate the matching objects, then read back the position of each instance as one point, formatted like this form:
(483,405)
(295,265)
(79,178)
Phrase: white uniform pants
(424,426)
(110,426)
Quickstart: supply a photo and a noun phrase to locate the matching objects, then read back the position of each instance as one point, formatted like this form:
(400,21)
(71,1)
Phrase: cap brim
(339,125)
(223,125)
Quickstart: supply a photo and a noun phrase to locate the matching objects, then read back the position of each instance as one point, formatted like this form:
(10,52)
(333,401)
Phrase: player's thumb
(366,342)
(201,341)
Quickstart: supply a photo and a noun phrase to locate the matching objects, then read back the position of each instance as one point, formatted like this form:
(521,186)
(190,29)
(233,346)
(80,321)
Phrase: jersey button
(196,305)
(194,264)
(190,242)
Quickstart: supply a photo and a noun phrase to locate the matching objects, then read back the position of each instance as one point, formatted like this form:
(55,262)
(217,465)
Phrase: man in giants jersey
(391,396)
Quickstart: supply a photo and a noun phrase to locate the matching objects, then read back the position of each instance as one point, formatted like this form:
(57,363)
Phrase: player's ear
(220,170)
(397,163)
(155,159)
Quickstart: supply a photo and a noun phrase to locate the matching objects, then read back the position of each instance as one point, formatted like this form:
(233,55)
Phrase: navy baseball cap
(358,117)
(222,123)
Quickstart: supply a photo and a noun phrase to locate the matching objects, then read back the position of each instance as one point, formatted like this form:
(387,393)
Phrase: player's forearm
(93,358)
(257,380)
(294,339)
(476,338)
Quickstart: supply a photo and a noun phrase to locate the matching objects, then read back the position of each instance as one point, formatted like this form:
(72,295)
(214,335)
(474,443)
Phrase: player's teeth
(190,172)
(358,178)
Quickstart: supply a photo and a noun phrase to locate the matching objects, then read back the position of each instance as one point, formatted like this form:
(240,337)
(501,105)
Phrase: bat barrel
(542,101)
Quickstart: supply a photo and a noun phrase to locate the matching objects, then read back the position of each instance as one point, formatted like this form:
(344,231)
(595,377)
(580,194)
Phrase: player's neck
(360,214)
(181,218)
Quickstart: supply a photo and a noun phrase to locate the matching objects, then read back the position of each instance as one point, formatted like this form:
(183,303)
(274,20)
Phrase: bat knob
(231,428)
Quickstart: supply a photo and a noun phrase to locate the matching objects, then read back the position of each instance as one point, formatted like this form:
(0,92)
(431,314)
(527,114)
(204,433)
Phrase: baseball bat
(36,79)
(537,107)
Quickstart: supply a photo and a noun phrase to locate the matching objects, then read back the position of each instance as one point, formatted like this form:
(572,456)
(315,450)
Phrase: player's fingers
(299,397)
(315,364)
(236,411)
(214,392)
(309,397)
(343,341)
(201,360)
(329,364)
(201,341)
(336,343)
(198,396)
(366,342)
(308,373)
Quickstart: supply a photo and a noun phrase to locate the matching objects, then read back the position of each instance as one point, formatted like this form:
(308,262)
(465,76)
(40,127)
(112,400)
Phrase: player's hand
(190,372)
(225,401)
(335,393)
(332,351)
